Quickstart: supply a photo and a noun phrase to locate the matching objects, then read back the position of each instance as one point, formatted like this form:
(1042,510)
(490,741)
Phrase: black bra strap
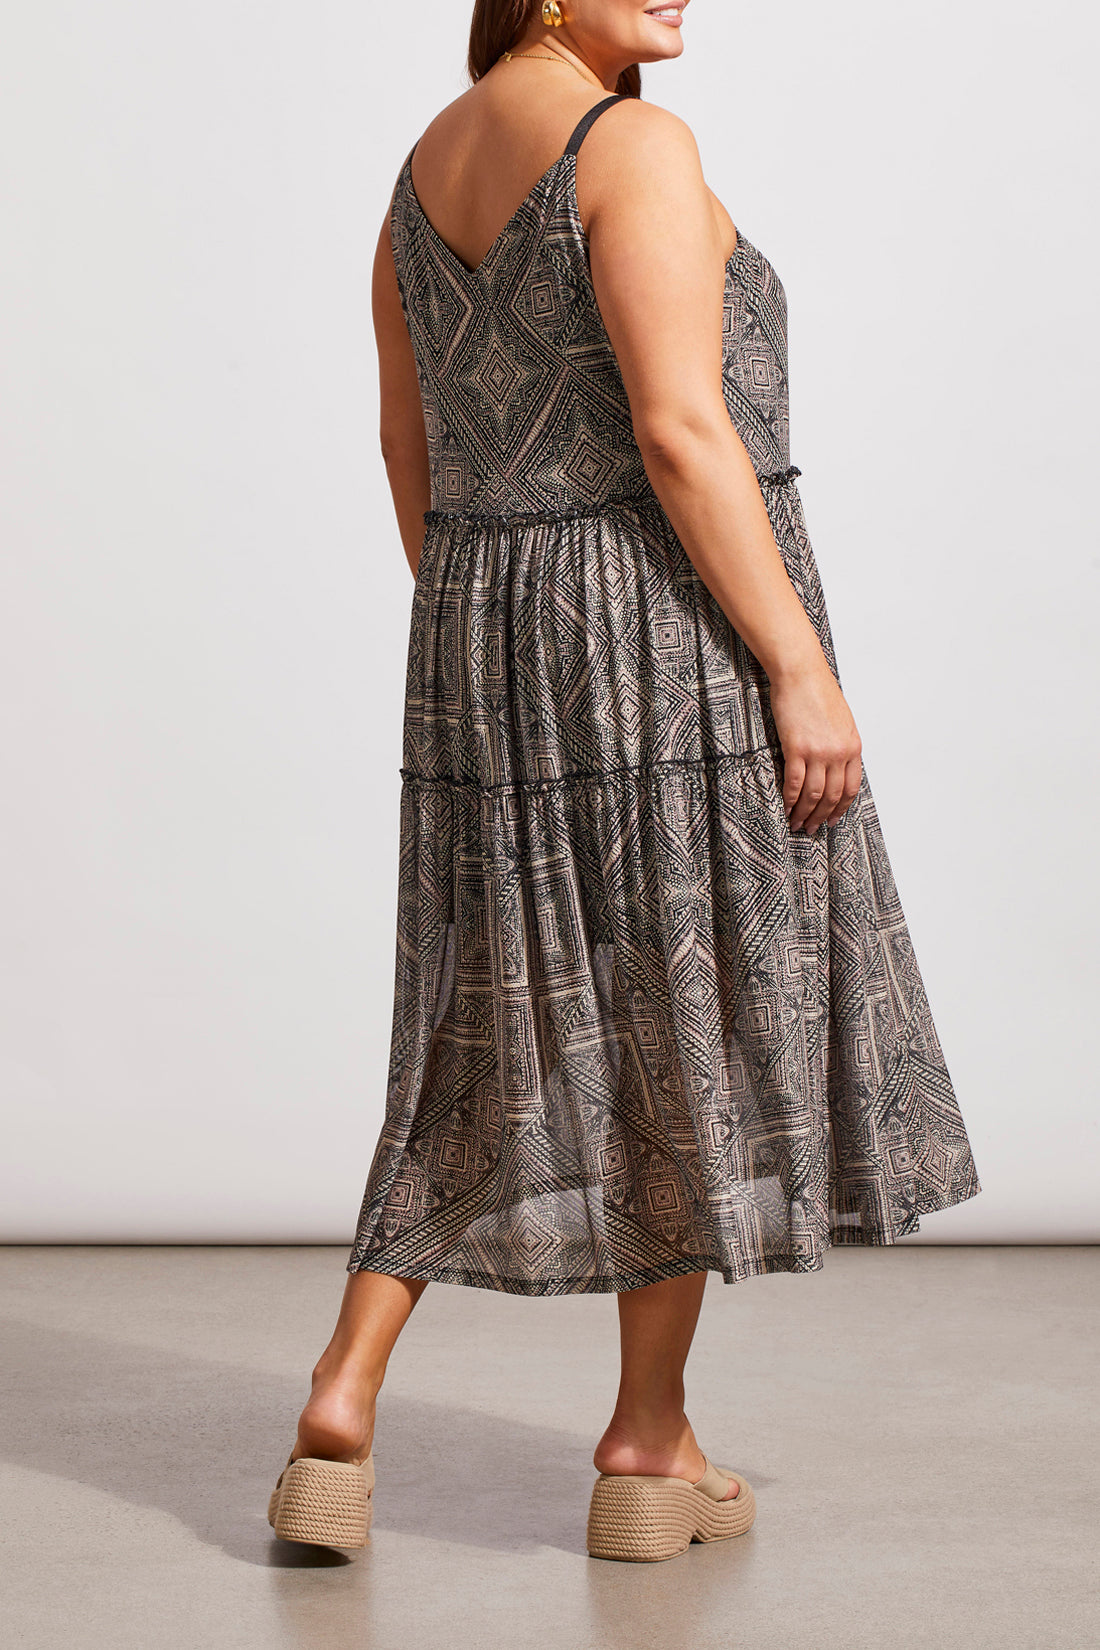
(587,120)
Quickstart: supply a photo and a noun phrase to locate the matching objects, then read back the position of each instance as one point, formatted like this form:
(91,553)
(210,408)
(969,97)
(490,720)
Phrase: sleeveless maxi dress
(640,1027)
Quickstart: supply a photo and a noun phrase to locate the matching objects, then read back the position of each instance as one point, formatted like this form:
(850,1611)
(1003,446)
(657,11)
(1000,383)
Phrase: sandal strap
(714,1483)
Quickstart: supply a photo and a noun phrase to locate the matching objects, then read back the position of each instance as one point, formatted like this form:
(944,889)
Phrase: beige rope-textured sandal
(644,1519)
(330,1503)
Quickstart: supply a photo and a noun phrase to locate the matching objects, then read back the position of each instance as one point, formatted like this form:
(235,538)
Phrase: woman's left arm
(401,415)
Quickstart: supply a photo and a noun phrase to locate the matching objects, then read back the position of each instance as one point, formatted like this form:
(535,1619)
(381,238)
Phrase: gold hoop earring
(551,14)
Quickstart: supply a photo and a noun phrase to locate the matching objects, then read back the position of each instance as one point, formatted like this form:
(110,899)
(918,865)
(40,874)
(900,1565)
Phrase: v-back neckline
(464,267)
(478,268)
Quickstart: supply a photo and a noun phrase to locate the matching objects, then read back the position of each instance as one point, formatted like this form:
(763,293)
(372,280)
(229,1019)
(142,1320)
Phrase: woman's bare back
(480,157)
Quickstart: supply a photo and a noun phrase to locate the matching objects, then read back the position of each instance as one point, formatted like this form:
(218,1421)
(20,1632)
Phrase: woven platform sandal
(643,1519)
(330,1503)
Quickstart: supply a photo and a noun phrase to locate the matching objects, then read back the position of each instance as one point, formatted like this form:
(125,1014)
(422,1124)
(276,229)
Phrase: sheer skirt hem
(759,1265)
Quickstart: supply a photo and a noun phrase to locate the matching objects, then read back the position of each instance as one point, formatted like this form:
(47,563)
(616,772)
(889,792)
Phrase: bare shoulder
(451,119)
(634,137)
(640,160)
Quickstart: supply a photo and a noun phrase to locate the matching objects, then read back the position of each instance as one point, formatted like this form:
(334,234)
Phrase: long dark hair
(498,24)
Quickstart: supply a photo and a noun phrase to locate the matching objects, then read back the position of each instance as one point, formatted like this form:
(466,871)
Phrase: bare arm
(659,276)
(401,416)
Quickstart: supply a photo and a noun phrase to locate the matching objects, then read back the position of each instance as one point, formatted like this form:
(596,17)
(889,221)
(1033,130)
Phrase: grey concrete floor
(919,1424)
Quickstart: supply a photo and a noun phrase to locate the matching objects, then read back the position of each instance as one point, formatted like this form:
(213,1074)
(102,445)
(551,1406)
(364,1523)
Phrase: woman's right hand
(822,767)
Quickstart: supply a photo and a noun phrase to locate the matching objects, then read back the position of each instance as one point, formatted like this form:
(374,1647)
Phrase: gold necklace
(546,57)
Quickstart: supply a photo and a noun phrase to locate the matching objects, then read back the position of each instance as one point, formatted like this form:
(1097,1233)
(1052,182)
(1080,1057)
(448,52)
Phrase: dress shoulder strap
(588,120)
(580,131)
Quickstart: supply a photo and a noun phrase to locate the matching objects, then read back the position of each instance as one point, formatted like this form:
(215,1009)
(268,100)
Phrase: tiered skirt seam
(579,776)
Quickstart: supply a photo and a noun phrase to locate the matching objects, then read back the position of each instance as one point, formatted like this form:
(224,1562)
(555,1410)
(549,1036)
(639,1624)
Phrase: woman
(656,1012)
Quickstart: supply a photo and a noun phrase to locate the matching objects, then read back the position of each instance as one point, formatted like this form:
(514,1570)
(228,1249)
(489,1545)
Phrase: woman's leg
(337,1422)
(649,1432)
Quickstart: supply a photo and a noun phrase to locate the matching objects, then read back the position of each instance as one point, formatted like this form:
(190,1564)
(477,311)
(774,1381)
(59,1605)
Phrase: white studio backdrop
(205,603)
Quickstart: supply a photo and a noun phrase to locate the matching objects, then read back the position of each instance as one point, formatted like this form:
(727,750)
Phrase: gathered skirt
(640,1027)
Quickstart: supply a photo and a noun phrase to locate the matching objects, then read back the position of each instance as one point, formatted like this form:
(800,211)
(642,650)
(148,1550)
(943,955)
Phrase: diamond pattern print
(640,1028)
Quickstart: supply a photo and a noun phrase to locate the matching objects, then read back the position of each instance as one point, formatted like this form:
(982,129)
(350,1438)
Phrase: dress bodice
(524,405)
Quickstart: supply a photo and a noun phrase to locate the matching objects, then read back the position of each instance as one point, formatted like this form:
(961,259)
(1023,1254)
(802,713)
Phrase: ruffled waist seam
(530,518)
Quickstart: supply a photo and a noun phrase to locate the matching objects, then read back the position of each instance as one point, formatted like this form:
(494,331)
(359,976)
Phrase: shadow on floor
(204,1442)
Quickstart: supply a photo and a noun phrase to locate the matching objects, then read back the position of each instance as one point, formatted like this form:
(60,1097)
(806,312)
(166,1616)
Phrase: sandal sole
(645,1520)
(326,1503)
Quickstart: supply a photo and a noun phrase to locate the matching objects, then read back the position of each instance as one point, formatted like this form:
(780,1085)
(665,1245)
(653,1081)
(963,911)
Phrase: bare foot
(337,1423)
(675,1454)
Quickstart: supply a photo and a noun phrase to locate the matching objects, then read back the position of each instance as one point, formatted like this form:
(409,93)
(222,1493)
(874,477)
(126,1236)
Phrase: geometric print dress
(640,1027)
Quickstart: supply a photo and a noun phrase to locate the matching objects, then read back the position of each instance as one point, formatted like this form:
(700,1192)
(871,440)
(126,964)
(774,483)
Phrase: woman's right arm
(659,276)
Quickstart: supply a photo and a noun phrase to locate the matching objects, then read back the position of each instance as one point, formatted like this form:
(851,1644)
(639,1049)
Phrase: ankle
(348,1367)
(648,1427)
(653,1412)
